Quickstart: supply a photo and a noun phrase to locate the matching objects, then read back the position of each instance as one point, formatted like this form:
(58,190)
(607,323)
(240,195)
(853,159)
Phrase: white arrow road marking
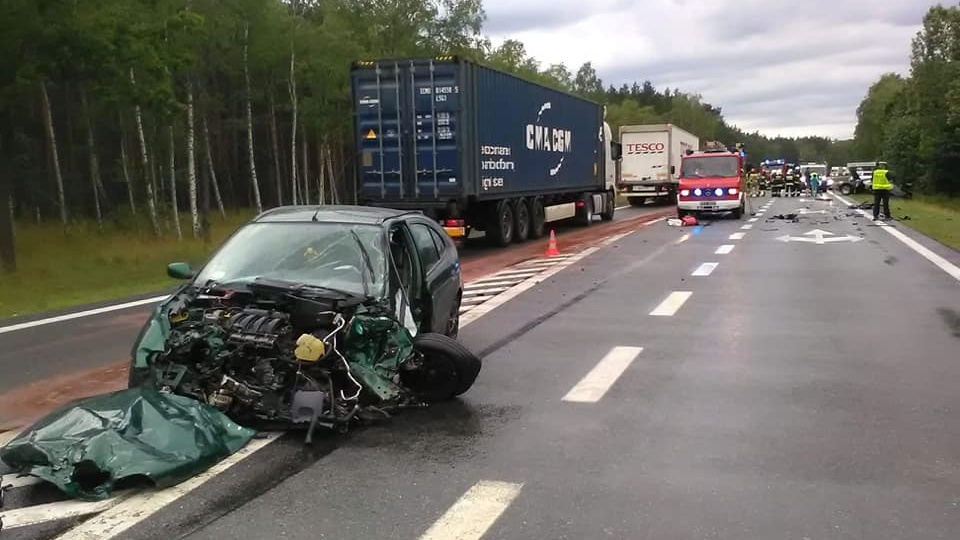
(818,236)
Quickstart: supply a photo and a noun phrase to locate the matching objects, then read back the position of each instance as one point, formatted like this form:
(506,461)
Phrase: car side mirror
(179,270)
(616,151)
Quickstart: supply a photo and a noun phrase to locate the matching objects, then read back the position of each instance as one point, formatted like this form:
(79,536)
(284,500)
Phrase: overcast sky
(783,67)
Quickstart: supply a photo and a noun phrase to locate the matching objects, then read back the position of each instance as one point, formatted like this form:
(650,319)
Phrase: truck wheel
(845,189)
(610,208)
(585,215)
(500,230)
(521,222)
(538,219)
(637,201)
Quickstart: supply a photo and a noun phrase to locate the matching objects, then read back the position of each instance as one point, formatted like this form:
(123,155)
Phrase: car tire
(453,324)
(447,359)
(610,208)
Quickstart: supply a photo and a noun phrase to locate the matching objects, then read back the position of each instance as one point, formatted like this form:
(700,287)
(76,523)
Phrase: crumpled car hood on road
(89,446)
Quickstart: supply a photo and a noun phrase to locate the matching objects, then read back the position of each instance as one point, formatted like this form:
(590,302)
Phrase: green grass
(57,269)
(936,217)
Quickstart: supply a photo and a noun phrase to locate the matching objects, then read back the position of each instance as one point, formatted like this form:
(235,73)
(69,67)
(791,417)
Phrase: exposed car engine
(282,353)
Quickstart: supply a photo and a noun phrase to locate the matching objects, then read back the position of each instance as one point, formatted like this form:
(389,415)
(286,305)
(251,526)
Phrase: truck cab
(711,181)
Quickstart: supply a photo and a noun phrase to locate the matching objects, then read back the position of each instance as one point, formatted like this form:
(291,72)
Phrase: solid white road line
(737,235)
(671,304)
(12,481)
(705,269)
(80,314)
(747,227)
(941,263)
(475,512)
(119,517)
(683,239)
(622,207)
(724,249)
(753,220)
(596,383)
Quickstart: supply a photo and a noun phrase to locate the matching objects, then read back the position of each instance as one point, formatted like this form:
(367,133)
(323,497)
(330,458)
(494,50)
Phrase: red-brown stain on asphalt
(20,407)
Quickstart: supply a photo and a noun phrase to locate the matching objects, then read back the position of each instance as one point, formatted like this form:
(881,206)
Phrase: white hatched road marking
(121,516)
(475,512)
(705,269)
(484,292)
(724,249)
(598,381)
(737,235)
(41,513)
(671,304)
(941,263)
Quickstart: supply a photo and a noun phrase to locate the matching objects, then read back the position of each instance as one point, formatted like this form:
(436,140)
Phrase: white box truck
(651,161)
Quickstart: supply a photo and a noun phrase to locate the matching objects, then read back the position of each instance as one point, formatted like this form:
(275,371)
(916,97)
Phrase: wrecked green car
(314,316)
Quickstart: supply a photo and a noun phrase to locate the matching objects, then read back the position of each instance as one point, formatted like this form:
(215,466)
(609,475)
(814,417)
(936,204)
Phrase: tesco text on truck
(645,147)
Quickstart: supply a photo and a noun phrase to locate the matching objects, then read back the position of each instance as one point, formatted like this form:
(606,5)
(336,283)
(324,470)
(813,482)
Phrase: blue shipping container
(435,130)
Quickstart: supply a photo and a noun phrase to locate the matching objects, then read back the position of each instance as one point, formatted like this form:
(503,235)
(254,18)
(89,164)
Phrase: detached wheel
(448,370)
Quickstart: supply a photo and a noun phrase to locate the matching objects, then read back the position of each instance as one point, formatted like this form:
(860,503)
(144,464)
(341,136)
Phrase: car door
(441,270)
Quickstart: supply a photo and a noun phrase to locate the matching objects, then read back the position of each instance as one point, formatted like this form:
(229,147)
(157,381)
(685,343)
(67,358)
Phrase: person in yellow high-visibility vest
(881,186)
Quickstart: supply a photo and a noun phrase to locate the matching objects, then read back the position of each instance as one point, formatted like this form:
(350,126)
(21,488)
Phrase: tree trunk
(321,172)
(126,173)
(8,251)
(278,177)
(253,163)
(334,197)
(94,162)
(305,184)
(192,164)
(292,87)
(55,156)
(172,169)
(211,170)
(147,171)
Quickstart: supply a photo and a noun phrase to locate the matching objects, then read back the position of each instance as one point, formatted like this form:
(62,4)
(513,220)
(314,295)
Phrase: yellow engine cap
(310,348)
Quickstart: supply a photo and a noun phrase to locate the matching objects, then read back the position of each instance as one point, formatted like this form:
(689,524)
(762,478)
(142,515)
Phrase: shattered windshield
(343,257)
(709,167)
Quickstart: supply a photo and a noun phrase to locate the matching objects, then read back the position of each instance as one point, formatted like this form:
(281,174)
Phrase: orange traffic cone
(552,250)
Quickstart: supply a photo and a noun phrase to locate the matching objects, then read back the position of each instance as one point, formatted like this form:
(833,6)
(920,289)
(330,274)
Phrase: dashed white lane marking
(596,383)
(671,304)
(124,514)
(683,238)
(753,220)
(941,263)
(747,227)
(80,314)
(705,269)
(724,249)
(475,512)
(737,235)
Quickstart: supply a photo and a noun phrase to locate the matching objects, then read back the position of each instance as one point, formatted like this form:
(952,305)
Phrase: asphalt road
(88,343)
(794,389)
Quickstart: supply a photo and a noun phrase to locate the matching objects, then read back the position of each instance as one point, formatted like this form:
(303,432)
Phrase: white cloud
(776,66)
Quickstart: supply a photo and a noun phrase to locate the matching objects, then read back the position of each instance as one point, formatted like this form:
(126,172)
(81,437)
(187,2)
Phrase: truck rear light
(453,223)
(581,204)
(684,192)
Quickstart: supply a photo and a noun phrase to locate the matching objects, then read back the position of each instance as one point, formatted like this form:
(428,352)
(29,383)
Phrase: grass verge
(936,217)
(57,269)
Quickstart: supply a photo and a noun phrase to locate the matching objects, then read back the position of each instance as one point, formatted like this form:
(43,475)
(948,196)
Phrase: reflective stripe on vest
(879,180)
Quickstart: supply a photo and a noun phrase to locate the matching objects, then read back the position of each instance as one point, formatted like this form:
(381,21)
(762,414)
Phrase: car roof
(361,215)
